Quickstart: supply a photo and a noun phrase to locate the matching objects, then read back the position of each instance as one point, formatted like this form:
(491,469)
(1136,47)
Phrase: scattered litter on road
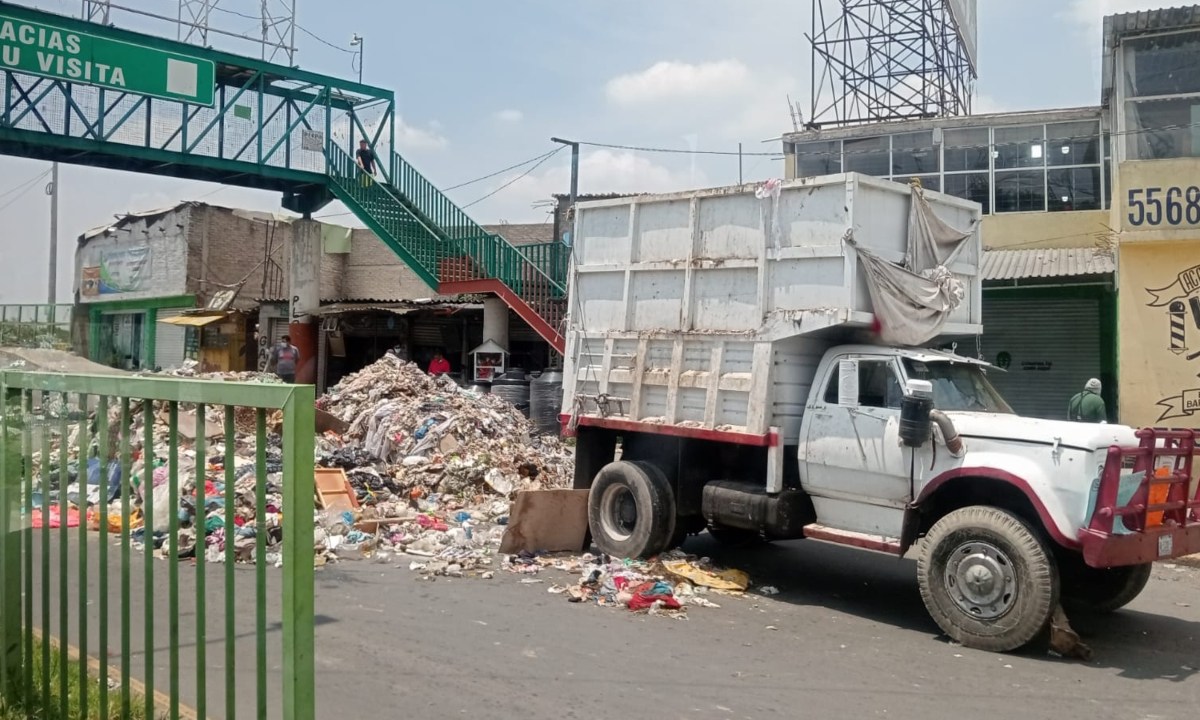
(768,590)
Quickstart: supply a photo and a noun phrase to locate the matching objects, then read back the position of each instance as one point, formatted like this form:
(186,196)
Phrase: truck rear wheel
(1101,590)
(987,579)
(631,510)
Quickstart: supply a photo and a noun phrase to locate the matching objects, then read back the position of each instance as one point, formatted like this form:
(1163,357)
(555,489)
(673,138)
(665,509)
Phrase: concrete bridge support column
(304,281)
(495,322)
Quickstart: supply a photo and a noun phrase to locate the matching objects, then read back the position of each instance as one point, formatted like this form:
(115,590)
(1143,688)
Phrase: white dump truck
(766,361)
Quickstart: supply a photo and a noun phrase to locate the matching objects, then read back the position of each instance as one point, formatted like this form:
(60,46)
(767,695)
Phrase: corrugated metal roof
(1175,18)
(1046,263)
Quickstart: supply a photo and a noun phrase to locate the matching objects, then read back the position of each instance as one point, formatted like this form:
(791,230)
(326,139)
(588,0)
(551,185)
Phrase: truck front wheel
(1100,591)
(987,579)
(631,510)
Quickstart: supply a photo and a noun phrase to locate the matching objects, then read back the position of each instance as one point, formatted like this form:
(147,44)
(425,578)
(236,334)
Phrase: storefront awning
(195,320)
(1046,263)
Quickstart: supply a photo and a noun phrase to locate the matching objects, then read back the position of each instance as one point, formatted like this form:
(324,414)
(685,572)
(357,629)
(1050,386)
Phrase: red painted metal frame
(852,539)
(470,287)
(725,436)
(1179,514)
(1007,477)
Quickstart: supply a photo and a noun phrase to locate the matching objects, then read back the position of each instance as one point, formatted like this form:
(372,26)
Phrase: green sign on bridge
(45,50)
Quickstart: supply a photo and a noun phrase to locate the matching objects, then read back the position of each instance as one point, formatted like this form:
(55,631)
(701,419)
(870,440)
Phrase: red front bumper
(1161,520)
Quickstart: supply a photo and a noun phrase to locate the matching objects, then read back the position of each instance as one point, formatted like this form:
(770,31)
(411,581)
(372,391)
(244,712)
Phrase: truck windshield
(957,386)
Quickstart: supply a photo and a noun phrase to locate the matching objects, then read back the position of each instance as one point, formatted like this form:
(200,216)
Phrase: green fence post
(299,696)
(10,555)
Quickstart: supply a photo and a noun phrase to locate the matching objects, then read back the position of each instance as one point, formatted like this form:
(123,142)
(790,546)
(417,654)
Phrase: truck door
(854,466)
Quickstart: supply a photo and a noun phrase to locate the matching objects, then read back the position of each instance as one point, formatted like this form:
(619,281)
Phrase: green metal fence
(36,326)
(112,594)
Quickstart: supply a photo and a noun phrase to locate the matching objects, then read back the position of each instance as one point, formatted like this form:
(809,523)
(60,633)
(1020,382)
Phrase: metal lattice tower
(877,60)
(276,35)
(96,11)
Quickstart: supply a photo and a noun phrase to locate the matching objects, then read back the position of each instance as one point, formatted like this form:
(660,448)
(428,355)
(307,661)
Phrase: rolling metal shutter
(1052,347)
(170,342)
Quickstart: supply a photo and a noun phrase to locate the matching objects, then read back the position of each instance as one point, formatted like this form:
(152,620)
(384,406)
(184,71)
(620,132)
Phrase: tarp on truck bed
(912,303)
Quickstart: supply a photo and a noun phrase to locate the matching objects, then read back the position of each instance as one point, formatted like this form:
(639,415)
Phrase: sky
(482,85)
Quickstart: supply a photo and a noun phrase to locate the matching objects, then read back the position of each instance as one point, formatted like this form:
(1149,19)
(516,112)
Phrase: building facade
(1091,225)
(211,284)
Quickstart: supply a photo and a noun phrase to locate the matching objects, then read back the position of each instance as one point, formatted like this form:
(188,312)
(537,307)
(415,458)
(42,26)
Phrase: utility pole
(359,42)
(52,191)
(574,166)
(740,181)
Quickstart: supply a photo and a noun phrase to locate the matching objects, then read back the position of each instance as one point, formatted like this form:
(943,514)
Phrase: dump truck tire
(1100,591)
(988,579)
(631,510)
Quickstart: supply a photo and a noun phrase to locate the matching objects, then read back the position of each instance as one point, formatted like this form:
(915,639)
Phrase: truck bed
(708,311)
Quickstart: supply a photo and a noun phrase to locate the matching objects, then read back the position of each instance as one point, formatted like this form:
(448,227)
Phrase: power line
(29,185)
(680,151)
(320,39)
(501,172)
(299,27)
(23,184)
(519,177)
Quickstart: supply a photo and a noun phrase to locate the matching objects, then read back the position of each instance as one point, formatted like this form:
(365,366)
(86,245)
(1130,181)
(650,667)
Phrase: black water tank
(513,386)
(915,428)
(545,402)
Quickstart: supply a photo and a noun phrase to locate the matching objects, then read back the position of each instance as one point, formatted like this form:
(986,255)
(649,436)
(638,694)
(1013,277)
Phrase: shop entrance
(122,340)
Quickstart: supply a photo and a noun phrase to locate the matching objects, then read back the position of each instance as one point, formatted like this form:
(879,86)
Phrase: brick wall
(372,271)
(236,248)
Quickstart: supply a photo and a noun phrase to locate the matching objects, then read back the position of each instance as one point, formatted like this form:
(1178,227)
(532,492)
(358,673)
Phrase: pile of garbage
(191,369)
(94,482)
(666,585)
(433,467)
(430,470)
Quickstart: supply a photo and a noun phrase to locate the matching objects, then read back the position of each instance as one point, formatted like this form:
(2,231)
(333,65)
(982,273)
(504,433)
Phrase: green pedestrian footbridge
(88,94)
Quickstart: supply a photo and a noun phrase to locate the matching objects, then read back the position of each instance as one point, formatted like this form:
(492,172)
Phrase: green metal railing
(552,258)
(36,326)
(396,226)
(500,259)
(430,232)
(84,581)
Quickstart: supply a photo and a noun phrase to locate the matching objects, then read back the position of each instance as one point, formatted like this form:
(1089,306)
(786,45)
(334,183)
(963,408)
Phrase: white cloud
(510,116)
(411,137)
(668,80)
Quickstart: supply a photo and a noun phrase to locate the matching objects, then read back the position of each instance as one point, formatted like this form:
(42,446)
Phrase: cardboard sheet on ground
(549,520)
(735,580)
(333,490)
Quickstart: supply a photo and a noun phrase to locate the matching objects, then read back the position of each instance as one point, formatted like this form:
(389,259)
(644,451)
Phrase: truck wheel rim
(981,580)
(618,512)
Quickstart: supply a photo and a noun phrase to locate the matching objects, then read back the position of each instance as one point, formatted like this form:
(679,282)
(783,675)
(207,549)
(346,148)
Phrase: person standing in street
(285,358)
(365,158)
(439,365)
(1088,406)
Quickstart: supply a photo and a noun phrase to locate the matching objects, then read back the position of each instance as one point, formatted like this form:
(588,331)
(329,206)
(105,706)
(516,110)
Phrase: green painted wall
(149,307)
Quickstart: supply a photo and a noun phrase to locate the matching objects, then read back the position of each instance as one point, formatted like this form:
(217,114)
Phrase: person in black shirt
(365,157)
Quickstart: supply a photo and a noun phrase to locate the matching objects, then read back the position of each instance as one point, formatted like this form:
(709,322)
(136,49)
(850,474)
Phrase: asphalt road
(846,637)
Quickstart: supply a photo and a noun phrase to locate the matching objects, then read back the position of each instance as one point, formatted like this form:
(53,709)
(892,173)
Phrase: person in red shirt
(440,365)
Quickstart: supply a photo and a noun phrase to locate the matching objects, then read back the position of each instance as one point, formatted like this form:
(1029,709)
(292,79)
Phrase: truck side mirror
(915,427)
